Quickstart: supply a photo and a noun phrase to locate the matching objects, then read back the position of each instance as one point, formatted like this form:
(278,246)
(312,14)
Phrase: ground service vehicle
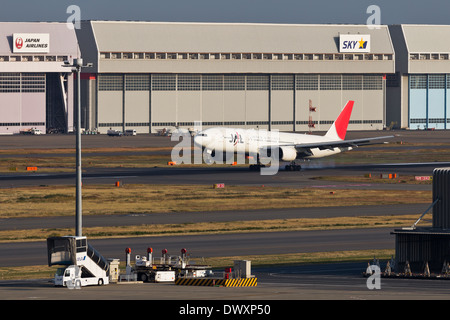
(164,269)
(130,132)
(114,133)
(82,264)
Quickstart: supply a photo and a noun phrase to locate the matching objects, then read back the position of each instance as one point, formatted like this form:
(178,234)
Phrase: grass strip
(219,227)
(48,201)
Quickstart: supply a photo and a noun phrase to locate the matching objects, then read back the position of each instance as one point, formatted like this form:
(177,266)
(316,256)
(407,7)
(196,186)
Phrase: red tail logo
(343,119)
(19,43)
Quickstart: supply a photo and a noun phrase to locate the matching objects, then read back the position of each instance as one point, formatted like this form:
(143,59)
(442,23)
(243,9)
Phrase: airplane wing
(341,144)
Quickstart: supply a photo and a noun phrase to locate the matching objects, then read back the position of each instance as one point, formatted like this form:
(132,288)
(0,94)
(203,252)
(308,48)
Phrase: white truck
(36,131)
(83,265)
(130,132)
(72,277)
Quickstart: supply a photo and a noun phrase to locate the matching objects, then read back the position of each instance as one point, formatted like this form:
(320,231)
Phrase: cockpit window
(202,135)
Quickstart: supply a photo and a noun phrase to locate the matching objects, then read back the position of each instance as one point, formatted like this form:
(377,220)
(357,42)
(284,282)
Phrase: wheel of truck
(100,282)
(143,277)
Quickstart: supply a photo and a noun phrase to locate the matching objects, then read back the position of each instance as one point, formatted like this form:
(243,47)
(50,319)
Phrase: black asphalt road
(222,245)
(282,289)
(229,175)
(64,141)
(216,216)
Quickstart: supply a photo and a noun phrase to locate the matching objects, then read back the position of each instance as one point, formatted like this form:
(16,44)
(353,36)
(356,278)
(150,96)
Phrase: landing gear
(293,167)
(256,167)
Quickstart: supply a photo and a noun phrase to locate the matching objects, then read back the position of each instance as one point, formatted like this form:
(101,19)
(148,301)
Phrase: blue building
(418,95)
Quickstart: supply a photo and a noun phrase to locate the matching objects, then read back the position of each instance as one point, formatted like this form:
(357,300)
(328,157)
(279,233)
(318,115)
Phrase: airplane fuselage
(251,141)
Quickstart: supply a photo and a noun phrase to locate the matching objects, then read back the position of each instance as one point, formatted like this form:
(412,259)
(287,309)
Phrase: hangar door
(428,101)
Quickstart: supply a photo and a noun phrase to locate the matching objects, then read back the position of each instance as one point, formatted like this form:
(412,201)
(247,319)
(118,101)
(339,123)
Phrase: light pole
(76,67)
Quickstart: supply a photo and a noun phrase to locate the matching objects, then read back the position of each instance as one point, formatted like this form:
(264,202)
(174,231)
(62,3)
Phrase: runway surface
(215,216)
(282,289)
(228,175)
(340,281)
(215,245)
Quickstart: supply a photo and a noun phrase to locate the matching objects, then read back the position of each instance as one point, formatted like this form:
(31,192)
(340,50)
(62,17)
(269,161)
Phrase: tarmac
(275,284)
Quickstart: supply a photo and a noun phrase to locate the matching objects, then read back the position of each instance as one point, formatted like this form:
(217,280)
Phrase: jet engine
(285,153)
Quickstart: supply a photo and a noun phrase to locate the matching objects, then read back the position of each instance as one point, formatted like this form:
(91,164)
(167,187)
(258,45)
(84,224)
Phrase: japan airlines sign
(31,43)
(354,43)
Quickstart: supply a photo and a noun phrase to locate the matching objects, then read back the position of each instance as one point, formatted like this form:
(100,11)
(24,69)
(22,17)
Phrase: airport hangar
(35,90)
(418,92)
(151,75)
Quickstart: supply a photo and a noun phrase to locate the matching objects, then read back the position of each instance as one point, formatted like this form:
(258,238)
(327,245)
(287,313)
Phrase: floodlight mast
(76,66)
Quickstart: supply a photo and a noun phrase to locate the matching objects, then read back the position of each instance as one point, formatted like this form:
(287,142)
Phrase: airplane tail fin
(339,128)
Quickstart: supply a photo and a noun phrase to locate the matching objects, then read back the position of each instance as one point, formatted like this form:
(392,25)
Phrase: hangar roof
(230,37)
(63,45)
(187,47)
(427,38)
(421,48)
(63,41)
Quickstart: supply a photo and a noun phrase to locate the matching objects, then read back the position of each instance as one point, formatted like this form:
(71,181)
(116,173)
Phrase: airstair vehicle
(83,265)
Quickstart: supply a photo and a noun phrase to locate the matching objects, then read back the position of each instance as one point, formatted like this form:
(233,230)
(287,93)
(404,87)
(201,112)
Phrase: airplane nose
(201,139)
(198,140)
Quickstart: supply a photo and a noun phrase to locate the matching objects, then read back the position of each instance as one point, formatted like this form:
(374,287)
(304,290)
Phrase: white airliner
(227,142)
